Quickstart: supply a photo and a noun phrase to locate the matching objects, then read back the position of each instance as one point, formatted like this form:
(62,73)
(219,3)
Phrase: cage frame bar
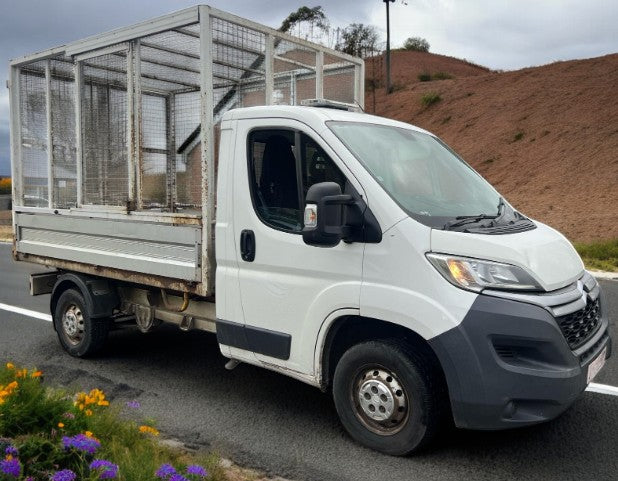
(207,146)
(79,149)
(50,146)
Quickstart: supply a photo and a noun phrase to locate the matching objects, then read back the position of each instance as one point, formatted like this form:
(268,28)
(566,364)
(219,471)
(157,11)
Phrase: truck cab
(420,280)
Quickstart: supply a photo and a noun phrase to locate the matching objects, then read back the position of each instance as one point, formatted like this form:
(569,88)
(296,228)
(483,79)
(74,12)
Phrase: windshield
(427,179)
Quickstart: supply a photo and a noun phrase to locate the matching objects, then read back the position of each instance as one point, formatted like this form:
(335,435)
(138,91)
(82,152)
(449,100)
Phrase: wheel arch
(99,294)
(348,330)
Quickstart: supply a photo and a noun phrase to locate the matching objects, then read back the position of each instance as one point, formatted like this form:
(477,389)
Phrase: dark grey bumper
(508,364)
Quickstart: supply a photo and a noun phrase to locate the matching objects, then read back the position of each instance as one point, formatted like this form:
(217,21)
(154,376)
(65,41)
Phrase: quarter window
(283,164)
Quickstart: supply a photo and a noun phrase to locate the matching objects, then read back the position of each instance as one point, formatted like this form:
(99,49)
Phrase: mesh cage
(33,117)
(104,130)
(151,148)
(64,167)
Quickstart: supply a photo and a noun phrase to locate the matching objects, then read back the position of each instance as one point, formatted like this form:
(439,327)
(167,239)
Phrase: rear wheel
(79,335)
(388,397)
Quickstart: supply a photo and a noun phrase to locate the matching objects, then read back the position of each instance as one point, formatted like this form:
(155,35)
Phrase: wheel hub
(376,400)
(73,323)
(381,401)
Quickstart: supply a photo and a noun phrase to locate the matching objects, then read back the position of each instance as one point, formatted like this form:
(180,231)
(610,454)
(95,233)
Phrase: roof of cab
(315,117)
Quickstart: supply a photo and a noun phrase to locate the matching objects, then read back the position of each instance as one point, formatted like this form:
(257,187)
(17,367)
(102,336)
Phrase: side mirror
(324,217)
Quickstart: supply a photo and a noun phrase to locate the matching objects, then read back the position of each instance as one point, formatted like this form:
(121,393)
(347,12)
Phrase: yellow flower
(88,412)
(36,374)
(89,434)
(22,373)
(10,365)
(148,430)
(60,425)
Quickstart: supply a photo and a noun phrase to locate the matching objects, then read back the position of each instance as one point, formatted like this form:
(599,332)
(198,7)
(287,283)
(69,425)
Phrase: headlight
(476,275)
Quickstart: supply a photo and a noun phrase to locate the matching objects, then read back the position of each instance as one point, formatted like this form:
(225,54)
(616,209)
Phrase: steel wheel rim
(379,400)
(73,324)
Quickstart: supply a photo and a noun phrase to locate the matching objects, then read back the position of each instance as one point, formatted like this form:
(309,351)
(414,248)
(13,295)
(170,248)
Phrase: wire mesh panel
(33,116)
(188,158)
(104,127)
(238,56)
(339,79)
(170,107)
(154,182)
(62,89)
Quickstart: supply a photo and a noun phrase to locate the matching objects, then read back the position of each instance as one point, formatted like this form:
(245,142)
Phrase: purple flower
(134,404)
(178,477)
(12,450)
(107,469)
(197,470)
(68,415)
(64,475)
(165,471)
(10,467)
(81,442)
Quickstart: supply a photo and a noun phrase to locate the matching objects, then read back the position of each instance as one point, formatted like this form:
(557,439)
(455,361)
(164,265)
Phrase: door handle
(247,245)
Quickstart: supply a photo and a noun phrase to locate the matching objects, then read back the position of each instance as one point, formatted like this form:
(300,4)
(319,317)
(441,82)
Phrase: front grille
(581,325)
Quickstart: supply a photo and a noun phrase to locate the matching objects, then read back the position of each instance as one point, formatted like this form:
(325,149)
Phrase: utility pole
(388,46)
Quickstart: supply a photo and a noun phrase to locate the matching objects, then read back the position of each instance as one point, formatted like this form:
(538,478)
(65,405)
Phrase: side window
(283,164)
(317,166)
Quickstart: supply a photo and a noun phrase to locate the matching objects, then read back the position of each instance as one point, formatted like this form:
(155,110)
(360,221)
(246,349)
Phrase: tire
(389,397)
(79,335)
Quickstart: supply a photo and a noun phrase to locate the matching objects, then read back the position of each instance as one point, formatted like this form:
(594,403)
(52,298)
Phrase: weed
(424,77)
(446,119)
(430,98)
(518,136)
(442,76)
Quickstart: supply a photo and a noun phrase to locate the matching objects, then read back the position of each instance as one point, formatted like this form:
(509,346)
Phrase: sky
(500,34)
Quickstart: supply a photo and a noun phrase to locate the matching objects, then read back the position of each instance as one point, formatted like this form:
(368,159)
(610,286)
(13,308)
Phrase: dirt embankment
(545,137)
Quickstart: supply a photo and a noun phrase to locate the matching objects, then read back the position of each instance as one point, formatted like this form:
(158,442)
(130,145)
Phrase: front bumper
(508,364)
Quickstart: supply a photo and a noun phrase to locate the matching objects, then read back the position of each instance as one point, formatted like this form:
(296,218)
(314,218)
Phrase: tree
(417,44)
(359,40)
(308,23)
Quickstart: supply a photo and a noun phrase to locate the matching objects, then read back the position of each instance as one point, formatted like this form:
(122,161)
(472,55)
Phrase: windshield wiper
(471,219)
(467,219)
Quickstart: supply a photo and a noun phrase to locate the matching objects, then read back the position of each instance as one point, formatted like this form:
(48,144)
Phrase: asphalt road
(270,422)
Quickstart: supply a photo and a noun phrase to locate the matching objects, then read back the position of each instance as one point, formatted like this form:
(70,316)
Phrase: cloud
(505,34)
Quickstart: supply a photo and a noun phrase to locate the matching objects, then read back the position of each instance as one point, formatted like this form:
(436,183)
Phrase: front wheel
(388,397)
(79,335)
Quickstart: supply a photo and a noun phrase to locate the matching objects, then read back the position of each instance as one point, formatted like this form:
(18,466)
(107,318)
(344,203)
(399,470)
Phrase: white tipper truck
(167,173)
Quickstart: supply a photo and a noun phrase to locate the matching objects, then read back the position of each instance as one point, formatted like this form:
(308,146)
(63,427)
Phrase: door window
(283,164)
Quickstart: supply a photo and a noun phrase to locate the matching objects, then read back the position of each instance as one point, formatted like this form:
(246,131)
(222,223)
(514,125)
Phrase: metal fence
(125,121)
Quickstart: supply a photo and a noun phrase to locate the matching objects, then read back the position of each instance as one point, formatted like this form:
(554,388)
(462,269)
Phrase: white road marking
(26,312)
(602,388)
(592,387)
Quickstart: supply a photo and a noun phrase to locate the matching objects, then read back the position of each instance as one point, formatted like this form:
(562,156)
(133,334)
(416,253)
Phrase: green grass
(442,76)
(34,419)
(600,255)
(430,98)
